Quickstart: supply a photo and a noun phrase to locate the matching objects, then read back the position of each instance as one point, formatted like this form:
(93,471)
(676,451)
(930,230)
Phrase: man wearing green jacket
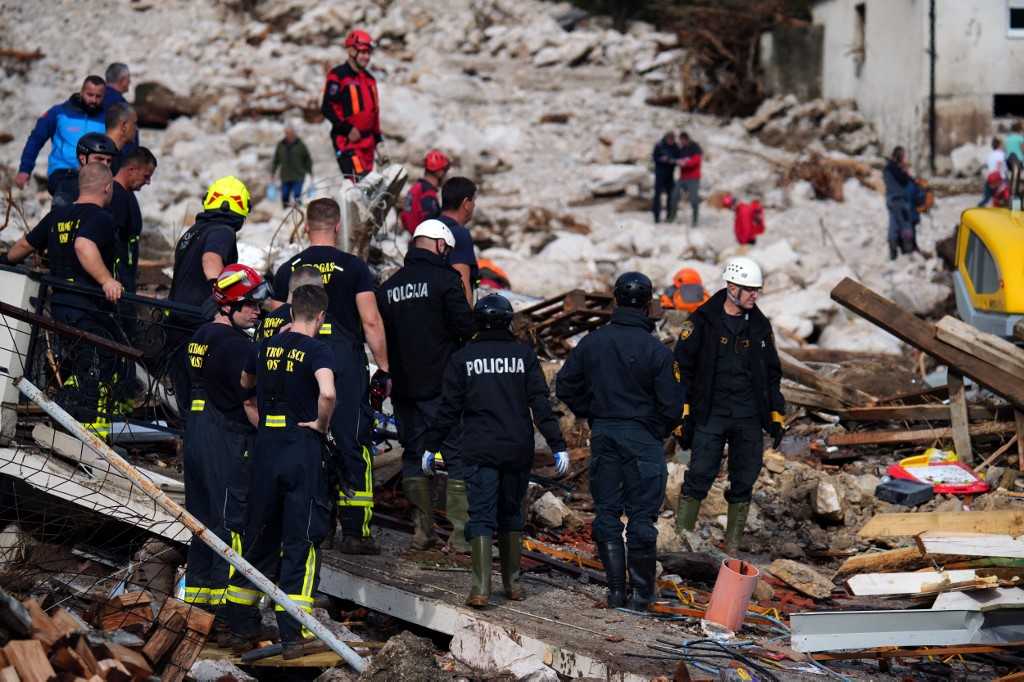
(295,163)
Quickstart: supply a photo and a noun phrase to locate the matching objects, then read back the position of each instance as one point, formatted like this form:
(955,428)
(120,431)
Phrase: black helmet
(96,143)
(633,290)
(493,312)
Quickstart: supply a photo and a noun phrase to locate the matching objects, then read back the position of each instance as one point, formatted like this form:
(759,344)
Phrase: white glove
(427,463)
(561,462)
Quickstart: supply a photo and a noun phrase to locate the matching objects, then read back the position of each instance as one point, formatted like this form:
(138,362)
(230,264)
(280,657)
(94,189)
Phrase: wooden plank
(834,356)
(917,396)
(65,659)
(794,370)
(85,654)
(134,662)
(170,626)
(915,436)
(919,652)
(9,674)
(806,397)
(801,578)
(889,560)
(988,347)
(1018,422)
(1007,521)
(184,656)
(972,544)
(910,413)
(43,627)
(67,624)
(111,670)
(1001,450)
(958,417)
(894,584)
(921,334)
(29,660)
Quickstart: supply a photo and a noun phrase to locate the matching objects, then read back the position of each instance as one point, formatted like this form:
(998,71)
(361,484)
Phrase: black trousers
(495,499)
(289,516)
(662,187)
(177,366)
(63,186)
(216,460)
(746,452)
(414,417)
(627,475)
(351,426)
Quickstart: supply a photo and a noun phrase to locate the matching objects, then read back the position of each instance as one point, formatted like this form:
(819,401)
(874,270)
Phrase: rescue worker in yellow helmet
(202,253)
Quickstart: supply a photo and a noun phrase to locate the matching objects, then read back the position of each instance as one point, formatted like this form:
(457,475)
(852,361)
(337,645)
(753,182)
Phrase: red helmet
(360,40)
(728,200)
(239,283)
(436,162)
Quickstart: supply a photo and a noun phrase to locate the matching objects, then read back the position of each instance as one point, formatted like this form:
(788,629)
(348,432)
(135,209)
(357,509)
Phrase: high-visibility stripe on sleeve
(198,405)
(353,93)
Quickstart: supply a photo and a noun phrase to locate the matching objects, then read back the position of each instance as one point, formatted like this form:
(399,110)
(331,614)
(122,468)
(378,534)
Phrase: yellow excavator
(989,276)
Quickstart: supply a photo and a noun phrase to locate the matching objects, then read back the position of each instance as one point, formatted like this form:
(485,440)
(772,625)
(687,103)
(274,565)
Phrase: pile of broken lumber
(991,362)
(967,566)
(127,645)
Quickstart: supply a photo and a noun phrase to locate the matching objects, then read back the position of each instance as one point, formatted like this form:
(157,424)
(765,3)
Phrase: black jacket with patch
(696,353)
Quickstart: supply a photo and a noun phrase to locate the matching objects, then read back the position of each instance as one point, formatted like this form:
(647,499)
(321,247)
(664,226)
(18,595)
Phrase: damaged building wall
(791,58)
(876,52)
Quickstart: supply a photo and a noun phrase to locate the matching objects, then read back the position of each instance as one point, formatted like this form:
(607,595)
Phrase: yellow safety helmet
(228,192)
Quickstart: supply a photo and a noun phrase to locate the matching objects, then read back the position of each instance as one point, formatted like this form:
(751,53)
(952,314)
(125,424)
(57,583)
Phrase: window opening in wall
(1015,18)
(1008,105)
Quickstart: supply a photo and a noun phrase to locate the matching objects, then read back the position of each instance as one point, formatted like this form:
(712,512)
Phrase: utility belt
(201,404)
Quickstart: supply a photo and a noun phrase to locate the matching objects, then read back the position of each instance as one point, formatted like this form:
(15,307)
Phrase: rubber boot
(510,549)
(417,491)
(480,593)
(642,567)
(687,510)
(893,250)
(613,556)
(457,508)
(736,521)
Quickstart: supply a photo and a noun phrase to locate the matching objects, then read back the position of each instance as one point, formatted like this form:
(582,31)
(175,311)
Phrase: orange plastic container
(733,588)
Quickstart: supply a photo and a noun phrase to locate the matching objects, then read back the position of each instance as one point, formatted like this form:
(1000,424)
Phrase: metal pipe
(199,530)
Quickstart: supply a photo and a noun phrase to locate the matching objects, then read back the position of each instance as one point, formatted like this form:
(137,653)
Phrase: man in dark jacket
(664,155)
(624,382)
(426,319)
(731,376)
(201,254)
(897,180)
(62,125)
(490,386)
(292,159)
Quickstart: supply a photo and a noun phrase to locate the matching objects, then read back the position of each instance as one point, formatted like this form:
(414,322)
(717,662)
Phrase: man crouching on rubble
(491,385)
(731,383)
(622,379)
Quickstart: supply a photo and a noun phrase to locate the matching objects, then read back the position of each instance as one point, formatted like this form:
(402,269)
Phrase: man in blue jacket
(62,125)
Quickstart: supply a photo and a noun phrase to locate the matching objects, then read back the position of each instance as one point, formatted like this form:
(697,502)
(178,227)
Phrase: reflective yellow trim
(236,547)
(686,409)
(310,575)
(777,417)
(213,596)
(275,421)
(325,329)
(198,405)
(243,596)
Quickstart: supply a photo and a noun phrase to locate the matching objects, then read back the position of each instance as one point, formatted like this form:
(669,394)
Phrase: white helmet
(744,272)
(435,229)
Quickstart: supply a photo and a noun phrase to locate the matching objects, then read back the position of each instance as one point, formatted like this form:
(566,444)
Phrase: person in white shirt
(995,171)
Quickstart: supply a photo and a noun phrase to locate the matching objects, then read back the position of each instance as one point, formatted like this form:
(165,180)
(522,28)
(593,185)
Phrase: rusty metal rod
(68,330)
(199,530)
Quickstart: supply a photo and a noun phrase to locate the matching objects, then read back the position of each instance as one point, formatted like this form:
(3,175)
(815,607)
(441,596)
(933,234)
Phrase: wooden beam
(917,396)
(997,454)
(794,370)
(893,559)
(958,417)
(988,347)
(833,356)
(1018,420)
(806,397)
(972,544)
(1008,521)
(921,334)
(910,413)
(895,584)
(920,652)
(916,436)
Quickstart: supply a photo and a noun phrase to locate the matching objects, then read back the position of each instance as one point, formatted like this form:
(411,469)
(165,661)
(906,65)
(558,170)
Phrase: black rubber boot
(613,556)
(480,592)
(642,567)
(893,251)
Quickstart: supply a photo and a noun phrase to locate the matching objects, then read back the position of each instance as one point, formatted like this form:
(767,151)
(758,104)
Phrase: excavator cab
(989,278)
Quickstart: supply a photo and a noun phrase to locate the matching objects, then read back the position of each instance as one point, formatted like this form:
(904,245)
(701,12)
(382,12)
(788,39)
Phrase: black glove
(684,433)
(380,386)
(775,430)
(4,260)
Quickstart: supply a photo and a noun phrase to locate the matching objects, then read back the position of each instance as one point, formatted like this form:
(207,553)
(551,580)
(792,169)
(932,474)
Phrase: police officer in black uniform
(624,382)
(355,321)
(79,241)
(289,502)
(201,254)
(490,386)
(220,428)
(731,375)
(426,318)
